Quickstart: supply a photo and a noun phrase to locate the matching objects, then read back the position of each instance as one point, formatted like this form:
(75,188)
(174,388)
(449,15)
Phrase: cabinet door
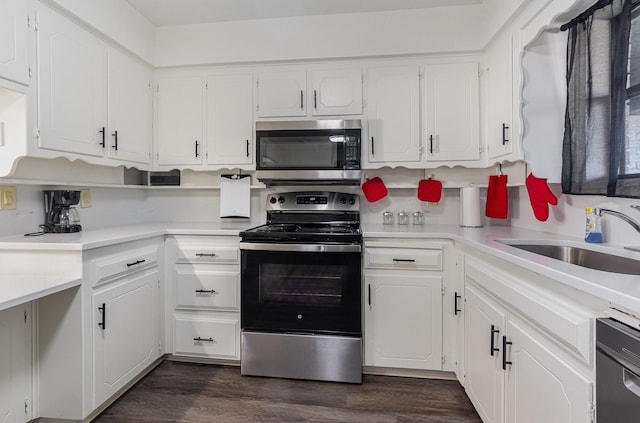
(452,112)
(540,386)
(503,126)
(125,337)
(14,365)
(337,92)
(13,33)
(485,323)
(230,130)
(72,82)
(179,131)
(403,320)
(394,115)
(130,109)
(282,94)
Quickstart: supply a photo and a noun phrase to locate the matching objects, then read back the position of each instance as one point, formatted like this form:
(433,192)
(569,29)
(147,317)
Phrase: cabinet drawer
(111,265)
(208,336)
(404,258)
(207,289)
(208,254)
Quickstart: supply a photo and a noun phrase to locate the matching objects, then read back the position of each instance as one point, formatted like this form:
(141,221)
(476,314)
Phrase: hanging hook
(499,169)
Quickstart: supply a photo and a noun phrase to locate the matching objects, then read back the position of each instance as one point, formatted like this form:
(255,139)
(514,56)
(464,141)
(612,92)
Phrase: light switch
(8,198)
(85,198)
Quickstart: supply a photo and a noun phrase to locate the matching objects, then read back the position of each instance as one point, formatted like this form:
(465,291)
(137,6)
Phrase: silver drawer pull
(404,260)
(205,255)
(135,262)
(199,339)
(205,291)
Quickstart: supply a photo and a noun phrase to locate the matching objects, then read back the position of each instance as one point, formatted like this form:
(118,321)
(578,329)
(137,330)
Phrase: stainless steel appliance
(301,289)
(60,215)
(316,152)
(617,372)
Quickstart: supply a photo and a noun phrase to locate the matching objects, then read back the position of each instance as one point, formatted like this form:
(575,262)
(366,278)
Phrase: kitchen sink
(583,257)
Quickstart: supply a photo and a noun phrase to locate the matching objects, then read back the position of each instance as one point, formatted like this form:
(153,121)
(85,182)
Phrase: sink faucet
(600,211)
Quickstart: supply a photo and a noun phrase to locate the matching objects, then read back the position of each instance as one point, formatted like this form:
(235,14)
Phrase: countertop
(618,289)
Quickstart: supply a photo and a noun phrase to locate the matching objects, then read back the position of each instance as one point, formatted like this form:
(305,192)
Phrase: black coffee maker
(59,214)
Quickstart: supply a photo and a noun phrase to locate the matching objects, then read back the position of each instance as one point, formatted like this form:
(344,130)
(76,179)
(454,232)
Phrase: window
(601,146)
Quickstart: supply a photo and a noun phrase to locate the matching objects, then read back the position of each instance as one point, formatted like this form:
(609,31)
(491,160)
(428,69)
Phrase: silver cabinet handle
(205,291)
(397,260)
(205,255)
(301,100)
(135,262)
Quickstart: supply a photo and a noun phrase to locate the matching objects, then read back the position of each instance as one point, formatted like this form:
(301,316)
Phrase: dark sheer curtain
(596,142)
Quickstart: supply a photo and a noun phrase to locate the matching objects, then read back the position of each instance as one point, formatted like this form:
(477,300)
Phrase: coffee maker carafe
(60,215)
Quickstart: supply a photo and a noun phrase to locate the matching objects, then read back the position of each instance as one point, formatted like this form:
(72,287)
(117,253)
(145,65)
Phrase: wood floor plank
(199,393)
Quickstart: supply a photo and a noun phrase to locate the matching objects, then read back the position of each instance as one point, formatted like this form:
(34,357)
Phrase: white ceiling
(184,12)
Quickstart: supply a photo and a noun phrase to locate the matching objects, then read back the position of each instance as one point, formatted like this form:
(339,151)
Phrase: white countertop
(618,289)
(20,289)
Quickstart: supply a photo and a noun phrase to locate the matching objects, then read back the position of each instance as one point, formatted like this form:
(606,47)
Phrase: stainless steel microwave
(308,152)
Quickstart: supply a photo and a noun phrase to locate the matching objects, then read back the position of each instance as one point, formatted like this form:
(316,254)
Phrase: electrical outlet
(8,198)
(85,198)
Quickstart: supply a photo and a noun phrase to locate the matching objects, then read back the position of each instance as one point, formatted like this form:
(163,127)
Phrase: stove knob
(352,201)
(272,200)
(281,200)
(343,200)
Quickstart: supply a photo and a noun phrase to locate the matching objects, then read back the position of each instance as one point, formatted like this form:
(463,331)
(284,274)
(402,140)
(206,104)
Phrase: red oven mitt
(540,196)
(497,206)
(374,189)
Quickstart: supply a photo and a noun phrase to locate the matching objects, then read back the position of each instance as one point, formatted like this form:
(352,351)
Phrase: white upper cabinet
(180,127)
(332,92)
(130,109)
(337,92)
(452,112)
(282,94)
(205,122)
(393,98)
(72,82)
(94,101)
(230,128)
(13,44)
(503,120)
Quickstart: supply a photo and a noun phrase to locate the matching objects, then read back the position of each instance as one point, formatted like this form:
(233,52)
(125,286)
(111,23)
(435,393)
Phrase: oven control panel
(334,201)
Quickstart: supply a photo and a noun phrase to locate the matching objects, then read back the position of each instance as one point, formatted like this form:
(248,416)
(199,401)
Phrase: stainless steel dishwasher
(617,372)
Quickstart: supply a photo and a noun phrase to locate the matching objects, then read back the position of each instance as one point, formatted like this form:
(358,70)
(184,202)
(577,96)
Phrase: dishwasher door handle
(631,381)
(619,359)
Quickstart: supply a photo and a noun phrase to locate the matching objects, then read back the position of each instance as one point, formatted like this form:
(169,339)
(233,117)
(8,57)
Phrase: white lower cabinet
(517,371)
(15,364)
(125,331)
(540,386)
(203,297)
(403,304)
(403,320)
(96,339)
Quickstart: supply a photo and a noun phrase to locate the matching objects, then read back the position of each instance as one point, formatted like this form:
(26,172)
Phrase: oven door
(300,288)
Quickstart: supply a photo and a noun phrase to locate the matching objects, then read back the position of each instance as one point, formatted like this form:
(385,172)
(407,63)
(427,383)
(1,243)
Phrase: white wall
(111,206)
(445,29)
(568,217)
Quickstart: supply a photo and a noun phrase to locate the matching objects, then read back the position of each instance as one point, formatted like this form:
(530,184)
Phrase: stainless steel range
(301,289)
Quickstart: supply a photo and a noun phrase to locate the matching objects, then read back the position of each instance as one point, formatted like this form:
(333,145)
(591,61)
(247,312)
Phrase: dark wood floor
(185,392)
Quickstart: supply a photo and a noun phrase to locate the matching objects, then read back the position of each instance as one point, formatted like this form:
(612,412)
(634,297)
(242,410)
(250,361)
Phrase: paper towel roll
(470,215)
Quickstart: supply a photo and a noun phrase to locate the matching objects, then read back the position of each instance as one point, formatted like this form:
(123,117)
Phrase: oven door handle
(304,248)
